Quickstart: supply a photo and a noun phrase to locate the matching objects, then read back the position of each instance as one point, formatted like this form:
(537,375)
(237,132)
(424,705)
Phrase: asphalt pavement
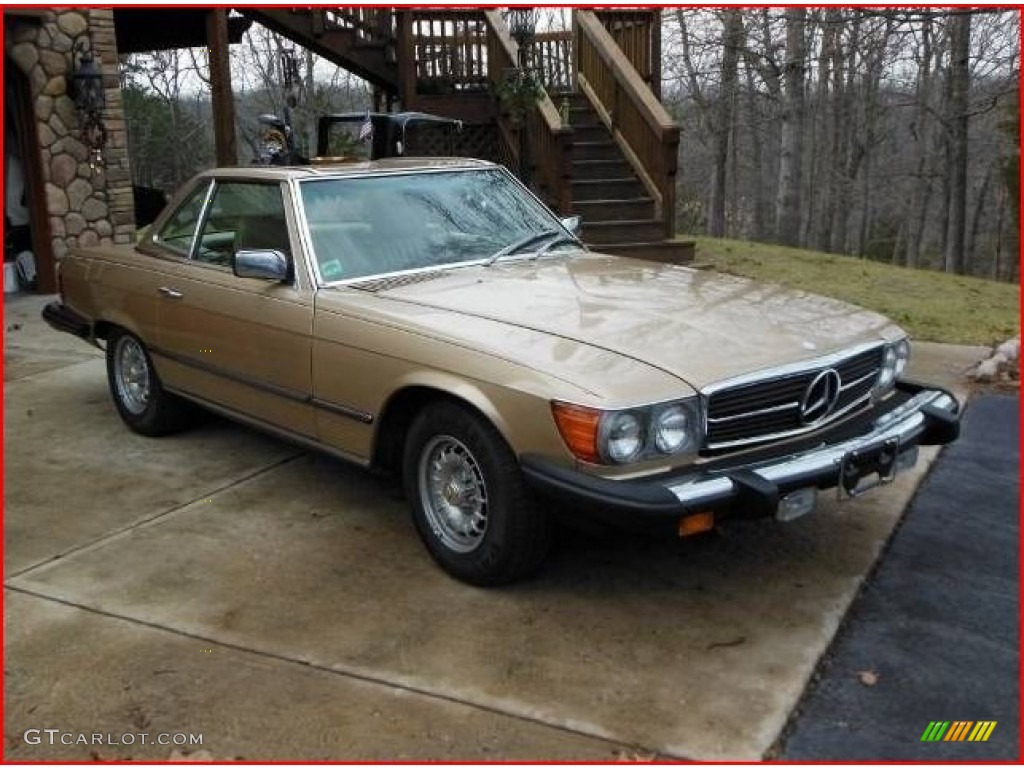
(934,634)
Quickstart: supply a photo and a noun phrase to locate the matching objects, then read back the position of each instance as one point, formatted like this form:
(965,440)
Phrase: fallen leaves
(727,643)
(868,677)
(635,756)
(199,756)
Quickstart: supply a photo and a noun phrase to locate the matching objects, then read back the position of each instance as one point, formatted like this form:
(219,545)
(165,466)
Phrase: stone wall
(87,206)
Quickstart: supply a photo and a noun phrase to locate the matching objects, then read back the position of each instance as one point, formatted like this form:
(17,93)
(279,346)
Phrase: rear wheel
(138,395)
(470,505)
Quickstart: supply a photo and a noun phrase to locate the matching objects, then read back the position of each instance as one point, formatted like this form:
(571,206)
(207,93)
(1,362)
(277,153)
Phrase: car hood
(697,325)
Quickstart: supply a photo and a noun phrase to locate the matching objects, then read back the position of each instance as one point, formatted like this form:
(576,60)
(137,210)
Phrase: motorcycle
(277,142)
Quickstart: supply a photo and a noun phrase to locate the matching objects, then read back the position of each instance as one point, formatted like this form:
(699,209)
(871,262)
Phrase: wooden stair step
(590,132)
(664,251)
(580,100)
(625,231)
(583,115)
(615,210)
(603,189)
(601,169)
(596,150)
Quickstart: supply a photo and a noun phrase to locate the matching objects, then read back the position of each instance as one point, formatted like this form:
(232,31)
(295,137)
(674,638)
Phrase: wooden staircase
(619,215)
(611,159)
(360,40)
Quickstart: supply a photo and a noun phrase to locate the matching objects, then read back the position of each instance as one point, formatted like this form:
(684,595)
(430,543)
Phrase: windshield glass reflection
(376,225)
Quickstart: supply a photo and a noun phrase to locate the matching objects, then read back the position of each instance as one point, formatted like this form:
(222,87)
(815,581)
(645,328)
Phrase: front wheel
(470,505)
(138,395)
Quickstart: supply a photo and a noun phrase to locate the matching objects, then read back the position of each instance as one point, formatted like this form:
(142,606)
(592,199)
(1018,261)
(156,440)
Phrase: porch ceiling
(140,30)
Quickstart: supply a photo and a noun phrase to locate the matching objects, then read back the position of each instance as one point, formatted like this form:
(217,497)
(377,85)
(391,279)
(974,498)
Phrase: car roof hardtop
(366,168)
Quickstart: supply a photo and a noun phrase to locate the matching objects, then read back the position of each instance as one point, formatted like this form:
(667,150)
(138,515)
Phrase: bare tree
(957,117)
(787,225)
(922,134)
(732,40)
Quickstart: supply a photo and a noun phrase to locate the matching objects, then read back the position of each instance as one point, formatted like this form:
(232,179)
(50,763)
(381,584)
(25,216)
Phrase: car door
(127,289)
(244,344)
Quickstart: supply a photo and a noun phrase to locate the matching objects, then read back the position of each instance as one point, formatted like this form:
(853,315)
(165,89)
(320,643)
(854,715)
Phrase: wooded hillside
(890,134)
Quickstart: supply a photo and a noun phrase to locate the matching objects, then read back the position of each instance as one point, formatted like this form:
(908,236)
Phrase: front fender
(523,418)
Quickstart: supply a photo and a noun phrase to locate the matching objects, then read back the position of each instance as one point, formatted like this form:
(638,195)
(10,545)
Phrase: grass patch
(931,306)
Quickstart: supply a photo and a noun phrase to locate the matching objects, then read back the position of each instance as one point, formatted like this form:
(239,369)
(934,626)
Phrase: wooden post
(575,63)
(655,31)
(220,86)
(406,54)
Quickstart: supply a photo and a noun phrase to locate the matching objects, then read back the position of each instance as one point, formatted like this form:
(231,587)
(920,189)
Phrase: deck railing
(370,25)
(641,126)
(638,35)
(449,51)
(550,55)
(550,139)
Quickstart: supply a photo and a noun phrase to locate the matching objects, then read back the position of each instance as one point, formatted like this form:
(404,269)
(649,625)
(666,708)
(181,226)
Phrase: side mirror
(263,264)
(572,223)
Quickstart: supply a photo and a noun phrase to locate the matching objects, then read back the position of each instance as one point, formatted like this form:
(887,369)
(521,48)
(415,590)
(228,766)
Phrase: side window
(242,216)
(180,229)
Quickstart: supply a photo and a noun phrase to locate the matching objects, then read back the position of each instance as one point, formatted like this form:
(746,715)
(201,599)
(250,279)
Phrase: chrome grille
(770,408)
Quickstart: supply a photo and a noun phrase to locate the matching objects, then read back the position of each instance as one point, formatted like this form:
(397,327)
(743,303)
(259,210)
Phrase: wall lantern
(87,81)
(522,26)
(90,97)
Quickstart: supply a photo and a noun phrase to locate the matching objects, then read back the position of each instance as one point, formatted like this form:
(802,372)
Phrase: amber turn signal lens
(578,427)
(698,523)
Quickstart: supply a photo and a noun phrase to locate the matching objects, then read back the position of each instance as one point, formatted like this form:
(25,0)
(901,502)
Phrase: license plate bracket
(862,470)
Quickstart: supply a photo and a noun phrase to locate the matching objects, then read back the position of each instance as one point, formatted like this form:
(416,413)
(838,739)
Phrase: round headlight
(623,436)
(902,356)
(887,374)
(672,429)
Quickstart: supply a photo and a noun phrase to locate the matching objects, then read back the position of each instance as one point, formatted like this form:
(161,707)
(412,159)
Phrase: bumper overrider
(861,453)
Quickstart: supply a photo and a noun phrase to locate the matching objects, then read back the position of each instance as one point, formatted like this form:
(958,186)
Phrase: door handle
(170,293)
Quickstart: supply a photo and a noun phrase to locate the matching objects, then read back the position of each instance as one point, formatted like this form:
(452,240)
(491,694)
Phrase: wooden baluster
(465,74)
(406,53)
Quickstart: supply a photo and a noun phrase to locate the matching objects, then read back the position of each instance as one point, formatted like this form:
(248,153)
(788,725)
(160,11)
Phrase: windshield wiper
(508,250)
(561,239)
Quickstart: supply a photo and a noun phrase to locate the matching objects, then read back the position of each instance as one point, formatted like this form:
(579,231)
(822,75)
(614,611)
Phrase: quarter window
(177,234)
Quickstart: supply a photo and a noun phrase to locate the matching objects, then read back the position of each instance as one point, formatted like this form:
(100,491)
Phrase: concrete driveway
(224,583)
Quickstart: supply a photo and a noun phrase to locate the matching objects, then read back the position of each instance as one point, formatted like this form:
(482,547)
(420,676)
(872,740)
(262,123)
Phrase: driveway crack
(151,519)
(621,747)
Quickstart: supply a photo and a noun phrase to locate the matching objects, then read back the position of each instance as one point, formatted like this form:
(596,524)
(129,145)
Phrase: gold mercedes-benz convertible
(432,319)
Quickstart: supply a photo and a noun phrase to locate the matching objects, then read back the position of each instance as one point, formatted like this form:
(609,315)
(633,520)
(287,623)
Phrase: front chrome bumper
(752,484)
(905,425)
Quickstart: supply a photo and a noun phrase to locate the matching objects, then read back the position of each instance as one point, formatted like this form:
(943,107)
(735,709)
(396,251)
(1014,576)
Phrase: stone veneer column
(86,207)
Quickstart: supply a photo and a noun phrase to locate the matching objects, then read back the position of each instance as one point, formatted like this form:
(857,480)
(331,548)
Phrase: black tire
(517,533)
(158,412)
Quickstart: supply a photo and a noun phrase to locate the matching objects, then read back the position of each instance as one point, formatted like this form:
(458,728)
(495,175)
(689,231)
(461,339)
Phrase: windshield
(376,225)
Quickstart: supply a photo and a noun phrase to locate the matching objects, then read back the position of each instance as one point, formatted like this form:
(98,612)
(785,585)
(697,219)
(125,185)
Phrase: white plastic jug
(10,278)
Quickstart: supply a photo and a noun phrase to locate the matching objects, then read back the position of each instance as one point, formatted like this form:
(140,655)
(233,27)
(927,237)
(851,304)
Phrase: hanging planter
(519,91)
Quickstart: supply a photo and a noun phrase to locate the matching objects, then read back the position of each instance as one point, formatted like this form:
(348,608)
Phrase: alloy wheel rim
(453,494)
(131,375)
